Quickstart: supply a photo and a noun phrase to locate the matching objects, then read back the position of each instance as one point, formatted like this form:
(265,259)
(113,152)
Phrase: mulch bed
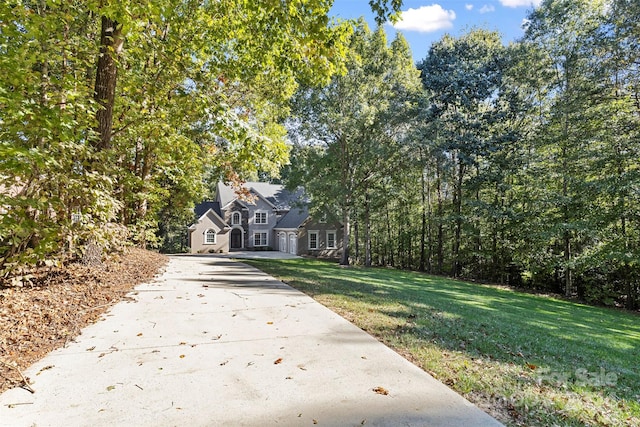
(50,311)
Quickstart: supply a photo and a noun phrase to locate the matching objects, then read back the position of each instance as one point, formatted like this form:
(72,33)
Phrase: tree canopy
(512,164)
(113,111)
(355,125)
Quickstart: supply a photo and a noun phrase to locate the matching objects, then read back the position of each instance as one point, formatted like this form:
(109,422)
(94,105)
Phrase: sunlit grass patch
(526,359)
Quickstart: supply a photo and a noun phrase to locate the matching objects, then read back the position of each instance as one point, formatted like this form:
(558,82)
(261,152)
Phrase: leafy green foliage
(514,165)
(349,131)
(112,111)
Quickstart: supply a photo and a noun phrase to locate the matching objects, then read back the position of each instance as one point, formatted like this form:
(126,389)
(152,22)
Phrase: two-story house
(266,217)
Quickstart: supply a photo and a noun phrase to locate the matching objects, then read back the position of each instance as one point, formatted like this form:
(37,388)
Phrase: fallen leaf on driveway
(381,390)
(278,361)
(182,356)
(44,369)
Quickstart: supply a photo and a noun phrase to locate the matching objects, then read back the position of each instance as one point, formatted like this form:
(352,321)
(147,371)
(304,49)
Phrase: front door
(283,243)
(236,238)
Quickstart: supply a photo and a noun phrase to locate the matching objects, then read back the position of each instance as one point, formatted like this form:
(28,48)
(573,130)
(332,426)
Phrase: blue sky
(424,22)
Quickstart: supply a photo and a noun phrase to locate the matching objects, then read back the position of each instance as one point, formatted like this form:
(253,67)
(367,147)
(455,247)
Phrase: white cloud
(468,6)
(520,3)
(487,9)
(426,19)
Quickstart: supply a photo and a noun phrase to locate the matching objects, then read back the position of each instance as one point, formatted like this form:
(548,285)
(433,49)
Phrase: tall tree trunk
(478,258)
(344,259)
(423,228)
(356,238)
(407,237)
(457,205)
(111,43)
(497,260)
(630,302)
(390,257)
(440,244)
(429,265)
(367,231)
(566,216)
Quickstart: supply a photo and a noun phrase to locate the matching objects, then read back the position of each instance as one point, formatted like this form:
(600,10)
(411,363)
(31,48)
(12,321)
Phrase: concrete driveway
(214,342)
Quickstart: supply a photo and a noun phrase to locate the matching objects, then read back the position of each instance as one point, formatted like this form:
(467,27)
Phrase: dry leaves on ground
(37,319)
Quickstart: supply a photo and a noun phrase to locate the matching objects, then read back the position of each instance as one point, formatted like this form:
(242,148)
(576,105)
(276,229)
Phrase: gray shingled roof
(294,218)
(203,208)
(276,194)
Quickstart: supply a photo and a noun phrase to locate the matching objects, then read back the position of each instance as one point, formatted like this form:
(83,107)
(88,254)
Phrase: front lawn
(525,359)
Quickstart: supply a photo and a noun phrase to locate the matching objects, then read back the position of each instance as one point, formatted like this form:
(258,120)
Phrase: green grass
(525,359)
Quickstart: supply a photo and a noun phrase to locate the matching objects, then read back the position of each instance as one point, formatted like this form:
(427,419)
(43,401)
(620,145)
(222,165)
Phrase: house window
(261,218)
(260,239)
(235,218)
(76,218)
(313,240)
(331,240)
(209,237)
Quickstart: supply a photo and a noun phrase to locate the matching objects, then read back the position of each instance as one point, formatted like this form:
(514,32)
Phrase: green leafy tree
(463,77)
(49,199)
(353,125)
(567,32)
(110,108)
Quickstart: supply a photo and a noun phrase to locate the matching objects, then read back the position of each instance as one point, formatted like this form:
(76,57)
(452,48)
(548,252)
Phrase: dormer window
(236,218)
(261,218)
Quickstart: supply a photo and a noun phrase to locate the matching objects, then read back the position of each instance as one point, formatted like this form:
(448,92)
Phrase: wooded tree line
(513,164)
(113,113)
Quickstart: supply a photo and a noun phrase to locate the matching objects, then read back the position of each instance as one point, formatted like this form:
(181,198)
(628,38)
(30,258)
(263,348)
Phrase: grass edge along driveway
(525,359)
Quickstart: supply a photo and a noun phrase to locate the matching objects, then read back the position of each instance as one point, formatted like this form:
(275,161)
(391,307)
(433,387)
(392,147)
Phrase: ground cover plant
(526,359)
